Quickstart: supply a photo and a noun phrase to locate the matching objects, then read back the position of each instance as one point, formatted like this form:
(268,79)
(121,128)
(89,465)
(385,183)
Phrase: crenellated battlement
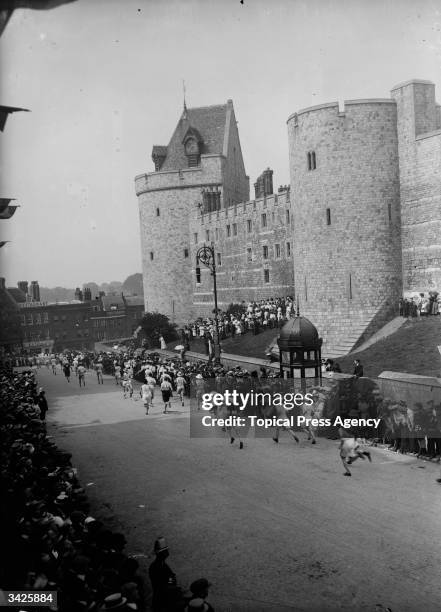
(243,209)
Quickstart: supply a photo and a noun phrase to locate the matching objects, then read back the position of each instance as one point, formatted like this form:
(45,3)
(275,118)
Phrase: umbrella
(180,347)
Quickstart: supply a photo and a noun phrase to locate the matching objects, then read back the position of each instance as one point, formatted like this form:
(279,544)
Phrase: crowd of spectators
(242,318)
(49,541)
(420,305)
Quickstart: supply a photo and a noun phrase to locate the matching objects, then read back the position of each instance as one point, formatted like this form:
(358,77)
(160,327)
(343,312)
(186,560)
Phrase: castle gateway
(359,223)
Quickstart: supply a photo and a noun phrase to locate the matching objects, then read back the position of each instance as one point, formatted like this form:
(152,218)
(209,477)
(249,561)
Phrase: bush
(155,324)
(236,309)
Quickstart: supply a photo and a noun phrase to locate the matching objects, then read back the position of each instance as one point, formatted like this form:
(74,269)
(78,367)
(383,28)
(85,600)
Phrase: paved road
(273,527)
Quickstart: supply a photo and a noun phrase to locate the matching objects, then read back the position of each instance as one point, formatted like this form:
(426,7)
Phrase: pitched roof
(113,302)
(17,294)
(209,121)
(134,300)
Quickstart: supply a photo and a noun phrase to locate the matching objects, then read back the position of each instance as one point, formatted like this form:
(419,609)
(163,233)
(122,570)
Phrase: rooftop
(209,121)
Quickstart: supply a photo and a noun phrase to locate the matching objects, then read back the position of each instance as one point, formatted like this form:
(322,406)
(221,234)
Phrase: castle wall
(167,277)
(419,142)
(238,277)
(167,201)
(347,247)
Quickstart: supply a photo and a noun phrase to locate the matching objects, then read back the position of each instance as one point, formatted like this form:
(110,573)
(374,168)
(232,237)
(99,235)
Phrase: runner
(146,394)
(180,386)
(99,372)
(151,383)
(66,370)
(127,386)
(117,373)
(81,371)
(166,390)
(350,450)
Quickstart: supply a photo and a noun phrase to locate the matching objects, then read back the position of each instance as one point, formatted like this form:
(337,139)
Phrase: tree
(11,333)
(155,324)
(133,284)
(236,309)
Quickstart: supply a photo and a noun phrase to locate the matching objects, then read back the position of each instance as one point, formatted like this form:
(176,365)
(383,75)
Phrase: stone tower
(346,208)
(419,146)
(201,166)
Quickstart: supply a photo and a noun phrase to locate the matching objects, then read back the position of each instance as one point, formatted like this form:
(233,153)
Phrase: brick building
(74,325)
(358,227)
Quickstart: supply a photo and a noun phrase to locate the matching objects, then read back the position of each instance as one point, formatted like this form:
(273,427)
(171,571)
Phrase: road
(273,527)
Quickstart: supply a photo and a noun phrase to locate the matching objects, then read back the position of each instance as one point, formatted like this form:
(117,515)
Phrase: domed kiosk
(299,338)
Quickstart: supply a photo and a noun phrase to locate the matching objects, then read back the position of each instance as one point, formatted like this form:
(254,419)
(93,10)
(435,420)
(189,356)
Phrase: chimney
(35,291)
(268,181)
(87,294)
(23,286)
(264,184)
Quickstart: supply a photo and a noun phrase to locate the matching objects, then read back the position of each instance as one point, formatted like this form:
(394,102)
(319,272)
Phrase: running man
(99,372)
(180,386)
(350,451)
(166,390)
(146,394)
(127,386)
(151,383)
(81,372)
(66,370)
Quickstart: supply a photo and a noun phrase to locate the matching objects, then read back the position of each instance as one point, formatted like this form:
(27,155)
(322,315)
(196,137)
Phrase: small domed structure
(300,338)
(298,332)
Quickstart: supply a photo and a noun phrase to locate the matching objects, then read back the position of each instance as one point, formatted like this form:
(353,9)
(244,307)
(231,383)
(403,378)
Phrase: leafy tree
(155,324)
(11,332)
(133,284)
(236,309)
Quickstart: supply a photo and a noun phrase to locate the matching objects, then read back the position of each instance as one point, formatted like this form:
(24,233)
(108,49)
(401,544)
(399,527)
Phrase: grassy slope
(413,349)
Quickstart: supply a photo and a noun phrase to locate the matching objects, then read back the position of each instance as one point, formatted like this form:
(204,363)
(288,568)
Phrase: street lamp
(205,256)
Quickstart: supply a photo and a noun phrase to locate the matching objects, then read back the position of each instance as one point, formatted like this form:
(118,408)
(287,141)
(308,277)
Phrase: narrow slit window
(328,216)
(151,255)
(389,211)
(266,276)
(157,212)
(350,286)
(185,252)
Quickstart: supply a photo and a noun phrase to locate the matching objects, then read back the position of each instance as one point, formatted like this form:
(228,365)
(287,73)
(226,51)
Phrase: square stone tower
(419,149)
(203,156)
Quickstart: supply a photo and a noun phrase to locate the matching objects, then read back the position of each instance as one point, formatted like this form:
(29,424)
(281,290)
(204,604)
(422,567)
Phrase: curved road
(273,527)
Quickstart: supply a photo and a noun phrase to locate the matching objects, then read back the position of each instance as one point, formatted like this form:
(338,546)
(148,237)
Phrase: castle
(359,225)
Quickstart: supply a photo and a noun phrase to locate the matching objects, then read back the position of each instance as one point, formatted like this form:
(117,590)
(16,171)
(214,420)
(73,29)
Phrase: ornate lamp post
(205,256)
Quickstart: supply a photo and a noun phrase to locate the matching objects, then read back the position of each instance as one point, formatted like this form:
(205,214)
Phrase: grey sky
(103,80)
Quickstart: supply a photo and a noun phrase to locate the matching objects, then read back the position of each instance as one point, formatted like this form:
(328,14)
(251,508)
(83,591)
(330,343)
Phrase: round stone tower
(346,207)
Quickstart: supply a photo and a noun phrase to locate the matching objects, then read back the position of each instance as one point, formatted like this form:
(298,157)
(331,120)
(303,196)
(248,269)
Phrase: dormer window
(192,152)
(192,148)
(159,154)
